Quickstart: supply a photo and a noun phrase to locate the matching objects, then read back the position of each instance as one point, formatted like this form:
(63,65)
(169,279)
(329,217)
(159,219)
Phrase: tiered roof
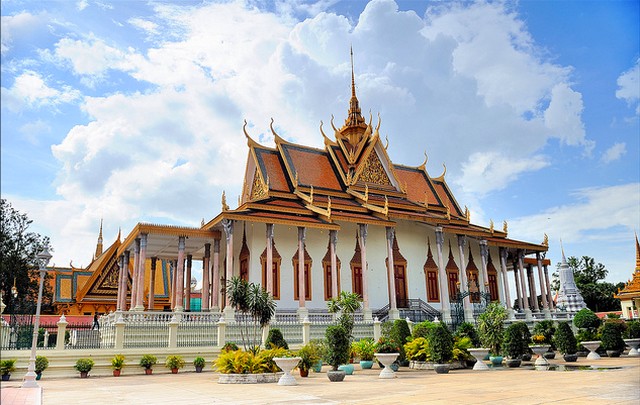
(632,288)
(352,179)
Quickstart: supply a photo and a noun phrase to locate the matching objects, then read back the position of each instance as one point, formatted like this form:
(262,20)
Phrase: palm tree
(347,303)
(256,306)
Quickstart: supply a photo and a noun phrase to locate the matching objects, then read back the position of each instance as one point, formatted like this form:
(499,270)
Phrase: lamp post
(13,321)
(29,380)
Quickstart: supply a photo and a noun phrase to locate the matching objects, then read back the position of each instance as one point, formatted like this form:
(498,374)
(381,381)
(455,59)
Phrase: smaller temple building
(629,296)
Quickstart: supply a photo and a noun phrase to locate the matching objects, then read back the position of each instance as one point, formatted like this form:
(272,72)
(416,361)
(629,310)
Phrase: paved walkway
(497,386)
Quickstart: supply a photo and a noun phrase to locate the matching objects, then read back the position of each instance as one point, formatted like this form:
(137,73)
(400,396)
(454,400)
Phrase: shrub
(308,357)
(275,339)
(148,360)
(199,362)
(461,346)
(117,361)
(229,346)
(421,329)
(233,362)
(564,339)
(264,360)
(546,328)
(338,346)
(611,338)
(586,319)
(633,330)
(417,349)
(174,361)
(440,343)
(490,327)
(387,345)
(466,329)
(41,364)
(84,365)
(7,366)
(513,344)
(399,333)
(364,349)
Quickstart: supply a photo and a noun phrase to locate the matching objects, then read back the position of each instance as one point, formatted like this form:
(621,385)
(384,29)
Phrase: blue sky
(132,111)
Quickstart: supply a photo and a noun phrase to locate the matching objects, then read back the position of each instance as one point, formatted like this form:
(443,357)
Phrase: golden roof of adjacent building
(632,288)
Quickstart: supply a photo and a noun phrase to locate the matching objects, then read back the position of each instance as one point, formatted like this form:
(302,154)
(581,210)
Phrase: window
(244,258)
(307,276)
(328,281)
(356,269)
(275,270)
(431,276)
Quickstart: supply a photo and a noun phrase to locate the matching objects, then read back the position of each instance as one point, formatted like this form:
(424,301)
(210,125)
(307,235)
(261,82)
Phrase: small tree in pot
(174,363)
(491,330)
(117,362)
(338,349)
(7,366)
(199,363)
(41,364)
(440,348)
(566,342)
(514,345)
(611,337)
(84,366)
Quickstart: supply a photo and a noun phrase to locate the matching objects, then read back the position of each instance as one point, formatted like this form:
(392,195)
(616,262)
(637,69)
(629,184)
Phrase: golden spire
(354,118)
(637,254)
(467,214)
(225,207)
(545,241)
(119,232)
(491,225)
(99,245)
(505,226)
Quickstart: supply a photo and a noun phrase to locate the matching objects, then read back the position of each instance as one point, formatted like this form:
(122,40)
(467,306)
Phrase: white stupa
(569,297)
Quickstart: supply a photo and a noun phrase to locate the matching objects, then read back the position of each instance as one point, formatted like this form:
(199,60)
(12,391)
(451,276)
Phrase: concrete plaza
(497,386)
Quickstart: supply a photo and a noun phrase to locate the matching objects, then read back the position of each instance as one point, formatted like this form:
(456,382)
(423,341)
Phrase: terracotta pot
(84,374)
(116,373)
(304,373)
(174,371)
(148,371)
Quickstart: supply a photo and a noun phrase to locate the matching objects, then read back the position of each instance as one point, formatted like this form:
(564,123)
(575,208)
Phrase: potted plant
(84,366)
(461,354)
(117,362)
(199,363)
(566,342)
(6,368)
(611,337)
(547,329)
(632,337)
(230,347)
(147,361)
(417,352)
(338,346)
(308,358)
(174,363)
(491,330)
(364,349)
(440,348)
(513,344)
(319,348)
(400,332)
(387,352)
(41,364)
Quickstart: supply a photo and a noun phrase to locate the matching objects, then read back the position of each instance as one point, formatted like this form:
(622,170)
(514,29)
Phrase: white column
(229,312)
(468,311)
(122,284)
(178,304)
(269,263)
(366,307)
(206,282)
(215,293)
(152,284)
(543,290)
(484,258)
(134,276)
(302,311)
(187,284)
(333,241)
(442,277)
(141,270)
(549,294)
(505,281)
(532,289)
(525,302)
(393,307)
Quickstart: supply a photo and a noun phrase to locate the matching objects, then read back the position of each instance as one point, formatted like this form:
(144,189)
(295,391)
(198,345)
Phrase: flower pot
(304,372)
(148,371)
(318,366)
(84,374)
(199,369)
(366,364)
(38,375)
(441,368)
(174,371)
(287,364)
(570,358)
(613,353)
(347,368)
(549,355)
(633,344)
(479,353)
(592,346)
(335,376)
(513,363)
(387,359)
(582,353)
(540,350)
(5,377)
(496,361)
(526,357)
(116,373)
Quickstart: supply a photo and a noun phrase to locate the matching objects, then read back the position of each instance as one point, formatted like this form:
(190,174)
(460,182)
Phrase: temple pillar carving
(152,285)
(442,277)
(215,285)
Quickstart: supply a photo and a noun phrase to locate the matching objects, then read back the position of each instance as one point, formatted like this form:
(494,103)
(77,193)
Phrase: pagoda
(629,296)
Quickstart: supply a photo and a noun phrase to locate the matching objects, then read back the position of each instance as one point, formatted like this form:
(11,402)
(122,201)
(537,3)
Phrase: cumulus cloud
(30,90)
(15,26)
(629,86)
(614,153)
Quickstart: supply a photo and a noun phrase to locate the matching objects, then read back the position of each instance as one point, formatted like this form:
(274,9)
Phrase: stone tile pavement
(497,386)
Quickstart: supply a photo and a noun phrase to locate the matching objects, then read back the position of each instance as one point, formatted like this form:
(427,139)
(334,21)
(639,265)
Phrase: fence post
(410,323)
(45,343)
(306,330)
(173,332)
(222,326)
(120,324)
(62,327)
(265,334)
(377,329)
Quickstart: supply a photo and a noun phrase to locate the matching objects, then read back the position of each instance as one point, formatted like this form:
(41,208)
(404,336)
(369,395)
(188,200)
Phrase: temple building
(311,222)
(629,296)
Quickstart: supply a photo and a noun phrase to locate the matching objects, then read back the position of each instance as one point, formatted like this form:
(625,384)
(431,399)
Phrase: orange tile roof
(272,168)
(312,166)
(446,198)
(417,185)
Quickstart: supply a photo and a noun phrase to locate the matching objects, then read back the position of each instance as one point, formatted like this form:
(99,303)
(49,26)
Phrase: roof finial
(637,254)
(353,80)
(564,260)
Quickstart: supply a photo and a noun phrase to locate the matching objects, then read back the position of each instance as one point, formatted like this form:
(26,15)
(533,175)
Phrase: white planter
(592,346)
(287,364)
(540,350)
(387,359)
(479,354)
(633,344)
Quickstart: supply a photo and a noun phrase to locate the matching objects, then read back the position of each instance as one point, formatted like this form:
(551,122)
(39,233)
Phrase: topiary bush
(440,344)
(564,339)
(417,349)
(338,346)
(586,319)
(633,330)
(399,333)
(611,336)
(275,339)
(421,329)
(467,329)
(513,344)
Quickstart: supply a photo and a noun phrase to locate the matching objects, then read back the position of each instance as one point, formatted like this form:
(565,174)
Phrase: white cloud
(563,116)
(82,4)
(33,131)
(31,91)
(16,25)
(147,26)
(629,86)
(614,153)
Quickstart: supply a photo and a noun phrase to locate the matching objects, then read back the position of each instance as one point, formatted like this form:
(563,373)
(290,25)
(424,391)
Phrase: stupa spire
(99,245)
(569,297)
(637,254)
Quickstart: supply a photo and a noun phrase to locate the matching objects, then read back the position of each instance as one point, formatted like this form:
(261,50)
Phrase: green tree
(589,276)
(18,250)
